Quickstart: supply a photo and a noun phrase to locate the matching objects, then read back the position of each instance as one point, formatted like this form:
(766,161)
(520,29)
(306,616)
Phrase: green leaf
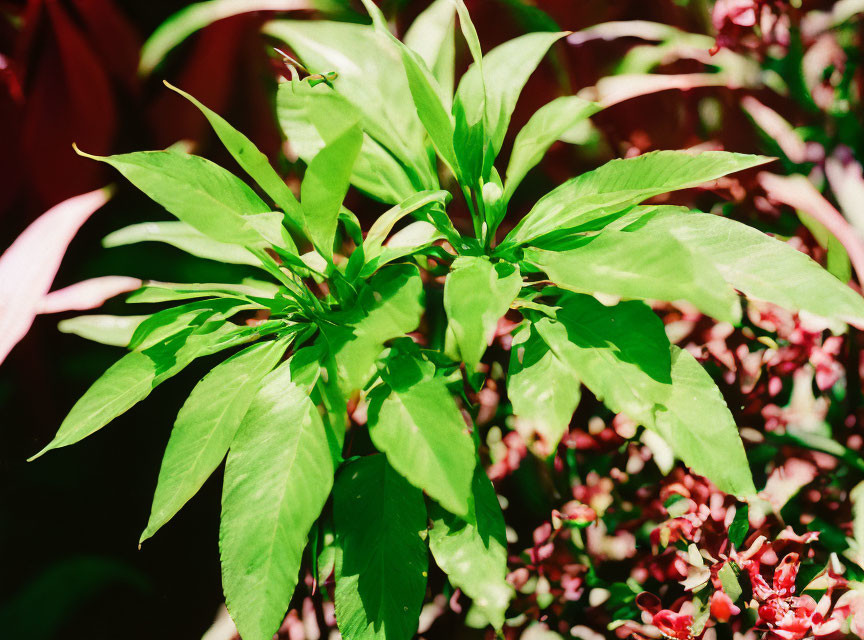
(307,115)
(111,330)
(622,355)
(324,186)
(388,307)
(837,260)
(249,158)
(153,291)
(381,563)
(473,553)
(543,389)
(381,228)
(190,19)
(506,69)
(758,265)
(135,375)
(205,427)
(184,237)
(371,77)
(620,184)
(740,525)
(277,479)
(432,36)
(168,322)
(417,425)
(197,191)
(477,294)
(425,91)
(640,265)
(729,581)
(545,127)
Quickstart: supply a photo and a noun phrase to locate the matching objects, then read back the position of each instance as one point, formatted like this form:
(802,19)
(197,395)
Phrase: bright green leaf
(506,69)
(381,561)
(324,186)
(432,36)
(620,184)
(112,330)
(640,265)
(477,294)
(197,191)
(184,237)
(423,434)
(371,77)
(543,389)
(249,158)
(473,554)
(758,265)
(381,228)
(388,307)
(135,375)
(311,115)
(277,479)
(205,427)
(622,355)
(545,127)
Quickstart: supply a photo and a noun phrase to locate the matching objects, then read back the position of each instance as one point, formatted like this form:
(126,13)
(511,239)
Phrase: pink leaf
(642,29)
(28,267)
(87,294)
(797,192)
(777,128)
(614,89)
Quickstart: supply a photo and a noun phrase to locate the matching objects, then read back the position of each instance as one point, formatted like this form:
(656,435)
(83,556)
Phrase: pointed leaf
(639,265)
(622,355)
(421,430)
(205,427)
(28,266)
(506,69)
(371,77)
(184,237)
(381,560)
(473,553)
(760,266)
(135,375)
(324,186)
(620,184)
(432,36)
(195,190)
(307,114)
(111,330)
(542,387)
(545,127)
(381,228)
(277,479)
(477,294)
(388,307)
(249,158)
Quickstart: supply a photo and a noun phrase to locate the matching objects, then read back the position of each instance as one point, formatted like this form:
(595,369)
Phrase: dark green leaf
(473,554)
(381,562)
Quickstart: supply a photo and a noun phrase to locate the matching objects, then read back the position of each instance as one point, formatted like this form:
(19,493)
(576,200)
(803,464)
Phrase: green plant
(343,309)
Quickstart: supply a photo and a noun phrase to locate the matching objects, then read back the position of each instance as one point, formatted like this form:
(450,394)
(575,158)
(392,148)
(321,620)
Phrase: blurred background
(73,71)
